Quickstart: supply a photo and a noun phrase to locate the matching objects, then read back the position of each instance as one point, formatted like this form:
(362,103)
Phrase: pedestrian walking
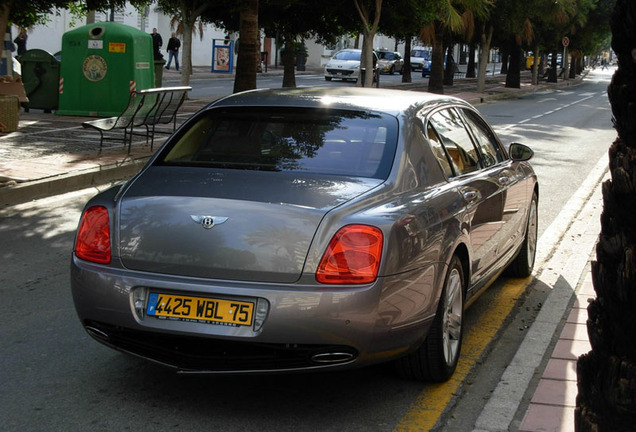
(173,51)
(21,41)
(157,43)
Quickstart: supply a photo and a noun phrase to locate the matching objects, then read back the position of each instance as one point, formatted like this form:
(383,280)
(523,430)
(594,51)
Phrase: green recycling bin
(40,76)
(102,63)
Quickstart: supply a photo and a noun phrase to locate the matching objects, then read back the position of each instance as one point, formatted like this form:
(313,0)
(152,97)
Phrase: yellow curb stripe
(429,406)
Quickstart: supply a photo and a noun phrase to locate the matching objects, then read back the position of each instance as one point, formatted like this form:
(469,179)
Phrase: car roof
(393,102)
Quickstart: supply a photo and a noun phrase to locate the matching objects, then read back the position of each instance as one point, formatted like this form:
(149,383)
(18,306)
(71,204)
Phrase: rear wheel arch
(461,251)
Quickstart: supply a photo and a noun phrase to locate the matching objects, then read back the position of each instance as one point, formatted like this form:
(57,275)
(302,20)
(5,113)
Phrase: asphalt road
(56,378)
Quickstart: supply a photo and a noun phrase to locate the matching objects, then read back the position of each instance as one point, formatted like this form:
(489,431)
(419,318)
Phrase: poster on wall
(222,58)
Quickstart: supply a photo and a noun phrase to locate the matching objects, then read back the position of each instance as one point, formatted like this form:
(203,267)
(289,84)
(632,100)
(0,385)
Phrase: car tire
(523,263)
(327,78)
(436,359)
(392,70)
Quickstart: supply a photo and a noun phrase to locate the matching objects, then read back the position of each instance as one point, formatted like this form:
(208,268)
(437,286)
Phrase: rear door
(478,179)
(510,178)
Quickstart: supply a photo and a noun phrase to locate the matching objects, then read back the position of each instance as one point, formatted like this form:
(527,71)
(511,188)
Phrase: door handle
(503,180)
(471,196)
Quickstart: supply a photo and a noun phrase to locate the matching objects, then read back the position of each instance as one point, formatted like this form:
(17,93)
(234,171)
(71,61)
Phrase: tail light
(93,236)
(352,257)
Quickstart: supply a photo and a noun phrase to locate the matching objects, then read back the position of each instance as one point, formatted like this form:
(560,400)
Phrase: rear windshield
(316,141)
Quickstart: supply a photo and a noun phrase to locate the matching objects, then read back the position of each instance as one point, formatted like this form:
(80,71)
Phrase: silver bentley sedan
(308,229)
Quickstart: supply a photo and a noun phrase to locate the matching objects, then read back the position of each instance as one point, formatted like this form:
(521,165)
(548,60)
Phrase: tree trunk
(553,72)
(572,73)
(504,60)
(288,57)
(449,70)
(513,77)
(366,11)
(436,80)
(470,67)
(606,401)
(4,21)
(186,53)
(366,60)
(248,54)
(535,64)
(484,54)
(406,71)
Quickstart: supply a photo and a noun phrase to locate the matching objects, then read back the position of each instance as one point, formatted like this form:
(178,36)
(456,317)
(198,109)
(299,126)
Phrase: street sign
(565,41)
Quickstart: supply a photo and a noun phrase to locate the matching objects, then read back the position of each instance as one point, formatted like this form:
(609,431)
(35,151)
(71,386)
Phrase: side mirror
(520,152)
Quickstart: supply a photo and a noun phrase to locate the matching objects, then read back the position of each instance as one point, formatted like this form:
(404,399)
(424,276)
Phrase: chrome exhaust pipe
(335,357)
(97,333)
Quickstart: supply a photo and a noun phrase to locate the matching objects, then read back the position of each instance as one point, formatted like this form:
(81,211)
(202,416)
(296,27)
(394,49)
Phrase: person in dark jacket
(157,43)
(21,41)
(173,51)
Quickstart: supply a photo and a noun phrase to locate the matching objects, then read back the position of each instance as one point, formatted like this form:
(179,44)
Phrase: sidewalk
(52,154)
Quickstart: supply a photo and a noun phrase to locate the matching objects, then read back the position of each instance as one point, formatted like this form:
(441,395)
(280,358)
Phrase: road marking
(538,116)
(428,407)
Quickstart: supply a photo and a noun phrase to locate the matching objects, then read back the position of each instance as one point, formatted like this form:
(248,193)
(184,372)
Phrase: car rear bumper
(304,329)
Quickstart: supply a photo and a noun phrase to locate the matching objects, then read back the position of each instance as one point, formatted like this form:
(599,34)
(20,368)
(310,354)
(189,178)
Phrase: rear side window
(491,151)
(456,140)
(316,141)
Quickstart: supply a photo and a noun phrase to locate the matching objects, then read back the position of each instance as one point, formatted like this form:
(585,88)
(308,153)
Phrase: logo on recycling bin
(94,68)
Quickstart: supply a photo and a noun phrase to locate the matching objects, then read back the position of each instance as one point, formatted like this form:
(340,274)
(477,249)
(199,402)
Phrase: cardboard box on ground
(11,95)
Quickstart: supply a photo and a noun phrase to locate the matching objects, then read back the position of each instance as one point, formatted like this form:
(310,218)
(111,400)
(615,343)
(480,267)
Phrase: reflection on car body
(307,229)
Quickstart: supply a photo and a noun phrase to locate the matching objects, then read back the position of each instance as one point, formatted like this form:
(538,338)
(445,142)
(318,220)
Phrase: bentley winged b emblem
(208,222)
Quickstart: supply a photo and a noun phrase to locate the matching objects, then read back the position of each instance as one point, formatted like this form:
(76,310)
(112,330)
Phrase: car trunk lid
(227,224)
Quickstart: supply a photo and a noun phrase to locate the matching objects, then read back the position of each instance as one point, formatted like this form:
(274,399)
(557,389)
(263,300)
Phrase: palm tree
(452,16)
(249,53)
(607,375)
(186,16)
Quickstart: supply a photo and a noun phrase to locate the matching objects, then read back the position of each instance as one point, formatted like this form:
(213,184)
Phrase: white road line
(538,116)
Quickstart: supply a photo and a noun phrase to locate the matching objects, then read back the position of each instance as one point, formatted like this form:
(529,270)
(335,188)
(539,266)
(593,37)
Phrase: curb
(25,192)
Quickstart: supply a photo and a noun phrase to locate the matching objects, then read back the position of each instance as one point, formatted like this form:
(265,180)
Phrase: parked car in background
(345,65)
(307,229)
(421,60)
(390,62)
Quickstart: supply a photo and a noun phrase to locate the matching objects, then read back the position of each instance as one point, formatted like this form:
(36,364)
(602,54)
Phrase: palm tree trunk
(553,73)
(246,64)
(606,401)
(513,77)
(436,80)
(406,71)
(470,67)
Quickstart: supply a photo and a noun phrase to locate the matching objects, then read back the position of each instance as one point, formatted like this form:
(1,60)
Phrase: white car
(345,65)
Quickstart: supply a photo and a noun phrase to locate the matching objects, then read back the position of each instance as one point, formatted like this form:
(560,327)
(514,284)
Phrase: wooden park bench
(146,108)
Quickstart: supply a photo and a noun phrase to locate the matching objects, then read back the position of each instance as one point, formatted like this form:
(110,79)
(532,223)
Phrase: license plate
(200,309)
